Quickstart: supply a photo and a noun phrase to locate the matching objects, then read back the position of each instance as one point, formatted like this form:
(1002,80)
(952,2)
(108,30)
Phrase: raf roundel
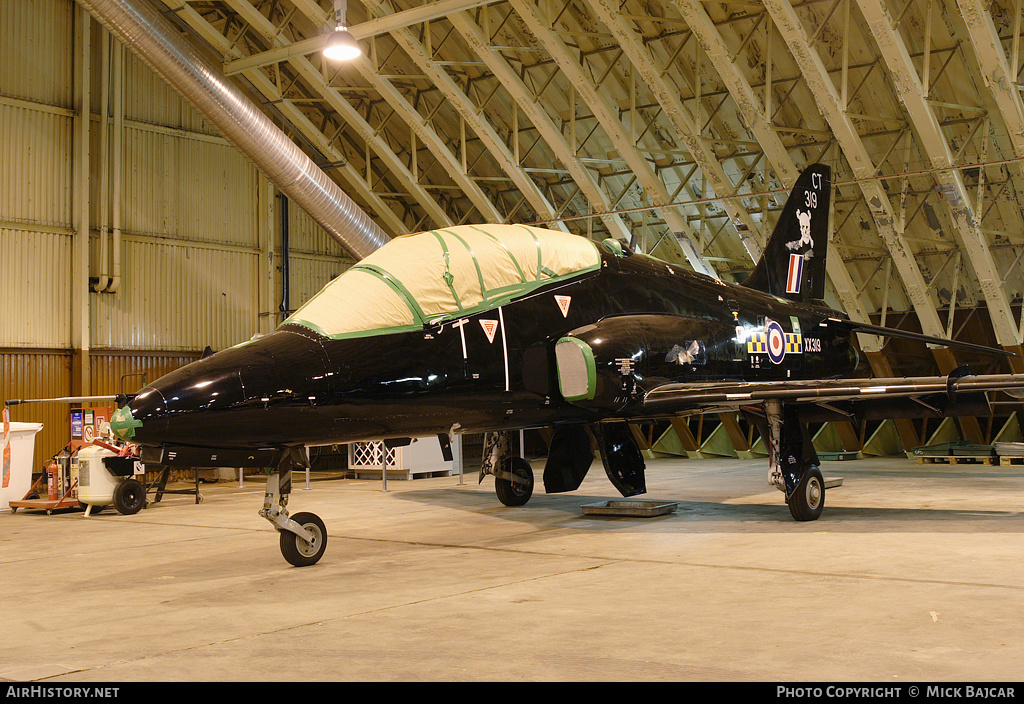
(776,342)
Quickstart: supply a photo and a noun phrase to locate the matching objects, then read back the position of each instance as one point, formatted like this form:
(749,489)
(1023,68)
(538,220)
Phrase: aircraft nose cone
(132,422)
(231,398)
(123,423)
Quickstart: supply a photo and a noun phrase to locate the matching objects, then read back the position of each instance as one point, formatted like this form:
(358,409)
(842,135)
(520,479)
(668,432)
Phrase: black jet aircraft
(490,329)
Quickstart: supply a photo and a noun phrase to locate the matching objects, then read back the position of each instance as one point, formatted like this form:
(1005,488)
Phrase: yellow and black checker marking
(758,343)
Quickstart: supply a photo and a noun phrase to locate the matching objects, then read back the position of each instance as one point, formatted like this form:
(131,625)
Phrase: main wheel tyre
(129,497)
(515,493)
(808,500)
(296,550)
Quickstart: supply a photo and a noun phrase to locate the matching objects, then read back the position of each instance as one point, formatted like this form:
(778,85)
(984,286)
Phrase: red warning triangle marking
(563,304)
(489,327)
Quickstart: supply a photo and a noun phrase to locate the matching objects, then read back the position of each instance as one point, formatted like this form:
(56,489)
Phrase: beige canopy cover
(443,274)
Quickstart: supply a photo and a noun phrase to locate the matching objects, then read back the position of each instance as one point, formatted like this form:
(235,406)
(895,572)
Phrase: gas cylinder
(71,478)
(96,484)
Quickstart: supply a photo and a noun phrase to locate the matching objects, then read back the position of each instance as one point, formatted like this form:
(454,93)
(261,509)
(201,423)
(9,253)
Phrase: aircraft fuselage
(646,323)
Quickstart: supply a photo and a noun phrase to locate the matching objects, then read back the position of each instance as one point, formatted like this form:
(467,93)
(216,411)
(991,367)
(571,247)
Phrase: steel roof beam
(471,114)
(349,114)
(351,117)
(820,83)
(742,93)
(607,115)
(431,140)
(771,145)
(996,73)
(475,120)
(365,30)
(533,112)
(406,111)
(686,129)
(268,90)
(931,138)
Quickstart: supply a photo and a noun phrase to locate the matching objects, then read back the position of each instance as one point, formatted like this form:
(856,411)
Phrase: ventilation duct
(143,29)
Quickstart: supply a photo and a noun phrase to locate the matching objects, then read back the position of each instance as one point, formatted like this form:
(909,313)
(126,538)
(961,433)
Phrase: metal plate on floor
(643,509)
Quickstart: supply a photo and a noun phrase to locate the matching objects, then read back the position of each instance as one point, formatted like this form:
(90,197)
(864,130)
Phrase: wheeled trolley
(61,487)
(105,479)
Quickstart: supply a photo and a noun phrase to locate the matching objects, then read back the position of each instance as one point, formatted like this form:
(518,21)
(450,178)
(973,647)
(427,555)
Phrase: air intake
(577,373)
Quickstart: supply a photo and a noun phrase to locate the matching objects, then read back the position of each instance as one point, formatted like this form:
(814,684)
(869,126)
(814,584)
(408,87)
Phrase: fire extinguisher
(57,477)
(53,481)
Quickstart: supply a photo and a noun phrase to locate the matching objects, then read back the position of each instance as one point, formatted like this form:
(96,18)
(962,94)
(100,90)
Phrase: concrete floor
(913,574)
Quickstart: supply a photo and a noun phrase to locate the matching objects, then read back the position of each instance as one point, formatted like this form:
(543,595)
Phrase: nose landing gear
(303,536)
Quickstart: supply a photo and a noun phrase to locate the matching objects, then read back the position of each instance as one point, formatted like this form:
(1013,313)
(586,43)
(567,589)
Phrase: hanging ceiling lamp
(341,45)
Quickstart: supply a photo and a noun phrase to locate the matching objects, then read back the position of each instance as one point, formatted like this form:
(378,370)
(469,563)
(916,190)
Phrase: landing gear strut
(793,462)
(304,536)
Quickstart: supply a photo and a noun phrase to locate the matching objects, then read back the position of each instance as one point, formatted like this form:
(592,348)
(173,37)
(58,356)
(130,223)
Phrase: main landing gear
(303,536)
(569,458)
(513,476)
(793,462)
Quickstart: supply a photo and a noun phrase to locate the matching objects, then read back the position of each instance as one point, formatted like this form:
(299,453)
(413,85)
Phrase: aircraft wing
(677,397)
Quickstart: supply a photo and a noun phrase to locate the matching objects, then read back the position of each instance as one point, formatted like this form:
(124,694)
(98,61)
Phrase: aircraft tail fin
(792,265)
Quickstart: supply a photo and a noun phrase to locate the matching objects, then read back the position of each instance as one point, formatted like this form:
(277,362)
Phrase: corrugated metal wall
(178,297)
(35,286)
(36,51)
(114,372)
(314,259)
(186,186)
(35,176)
(39,374)
(200,227)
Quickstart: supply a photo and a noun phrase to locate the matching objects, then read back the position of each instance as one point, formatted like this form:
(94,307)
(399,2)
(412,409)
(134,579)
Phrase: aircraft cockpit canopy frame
(438,275)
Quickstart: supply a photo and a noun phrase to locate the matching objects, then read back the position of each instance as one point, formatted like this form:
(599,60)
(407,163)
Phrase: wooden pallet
(1011,460)
(954,459)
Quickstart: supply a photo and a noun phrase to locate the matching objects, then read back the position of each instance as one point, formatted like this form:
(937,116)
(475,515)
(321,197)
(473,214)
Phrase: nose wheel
(299,551)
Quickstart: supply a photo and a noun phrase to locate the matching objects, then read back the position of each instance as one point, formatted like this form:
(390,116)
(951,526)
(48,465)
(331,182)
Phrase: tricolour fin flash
(792,265)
